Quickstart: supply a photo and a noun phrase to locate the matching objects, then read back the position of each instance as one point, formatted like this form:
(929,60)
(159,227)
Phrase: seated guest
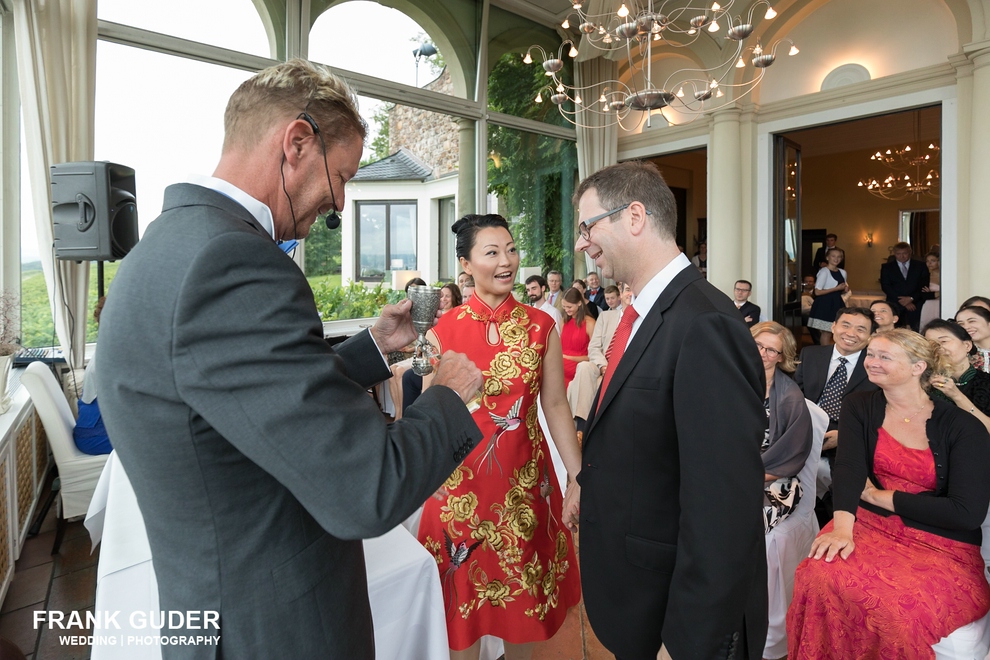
(582,287)
(450,297)
(975,320)
(467,289)
(700,260)
(89,433)
(595,294)
(578,327)
(978,301)
(612,296)
(582,388)
(886,313)
(536,289)
(902,565)
(963,385)
(787,439)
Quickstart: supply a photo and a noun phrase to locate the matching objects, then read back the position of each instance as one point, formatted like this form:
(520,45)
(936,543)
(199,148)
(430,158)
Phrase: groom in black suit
(672,543)
(903,280)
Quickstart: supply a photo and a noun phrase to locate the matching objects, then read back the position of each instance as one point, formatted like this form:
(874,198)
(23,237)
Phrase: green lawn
(333,301)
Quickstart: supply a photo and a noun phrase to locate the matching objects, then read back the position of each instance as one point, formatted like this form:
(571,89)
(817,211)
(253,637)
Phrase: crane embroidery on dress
(458,554)
(503,425)
(546,489)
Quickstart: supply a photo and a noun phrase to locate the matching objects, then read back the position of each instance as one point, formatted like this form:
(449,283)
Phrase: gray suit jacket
(256,454)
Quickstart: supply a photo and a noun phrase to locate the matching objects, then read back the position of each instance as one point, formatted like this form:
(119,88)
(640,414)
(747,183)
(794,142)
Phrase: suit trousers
(582,388)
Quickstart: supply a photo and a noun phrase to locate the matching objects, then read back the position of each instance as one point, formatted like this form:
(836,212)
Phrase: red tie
(617,346)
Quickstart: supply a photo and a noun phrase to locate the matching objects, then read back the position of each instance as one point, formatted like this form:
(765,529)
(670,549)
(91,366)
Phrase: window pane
(402,237)
(371,238)
(533,177)
(448,260)
(512,84)
(166,125)
(196,20)
(37,328)
(391,58)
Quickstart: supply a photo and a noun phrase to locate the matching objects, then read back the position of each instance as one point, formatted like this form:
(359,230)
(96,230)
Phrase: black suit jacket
(672,542)
(597,299)
(812,374)
(256,455)
(751,310)
(895,285)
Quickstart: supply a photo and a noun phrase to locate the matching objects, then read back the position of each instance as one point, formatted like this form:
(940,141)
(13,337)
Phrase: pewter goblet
(425,303)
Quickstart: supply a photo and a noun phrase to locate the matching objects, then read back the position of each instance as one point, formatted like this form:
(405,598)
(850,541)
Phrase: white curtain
(56,66)
(597,134)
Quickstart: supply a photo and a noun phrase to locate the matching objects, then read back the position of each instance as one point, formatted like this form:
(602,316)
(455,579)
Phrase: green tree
(533,175)
(380,146)
(323,248)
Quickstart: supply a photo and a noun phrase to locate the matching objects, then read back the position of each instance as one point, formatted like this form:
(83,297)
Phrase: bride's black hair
(467,229)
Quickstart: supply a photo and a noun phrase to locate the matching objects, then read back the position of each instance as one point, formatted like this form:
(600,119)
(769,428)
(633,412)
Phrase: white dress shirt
(644,302)
(852,360)
(257,209)
(548,307)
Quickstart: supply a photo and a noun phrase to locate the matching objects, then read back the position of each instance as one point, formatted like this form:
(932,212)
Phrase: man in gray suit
(258,458)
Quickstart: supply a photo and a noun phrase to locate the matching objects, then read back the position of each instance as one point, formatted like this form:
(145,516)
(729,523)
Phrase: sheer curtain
(56,65)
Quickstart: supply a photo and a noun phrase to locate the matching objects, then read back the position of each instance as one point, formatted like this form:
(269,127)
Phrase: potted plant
(9,326)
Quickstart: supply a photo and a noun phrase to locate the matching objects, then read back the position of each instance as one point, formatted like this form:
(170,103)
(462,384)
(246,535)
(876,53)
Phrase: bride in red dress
(498,526)
(899,567)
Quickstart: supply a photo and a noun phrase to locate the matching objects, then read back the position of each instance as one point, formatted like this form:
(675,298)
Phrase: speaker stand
(99,280)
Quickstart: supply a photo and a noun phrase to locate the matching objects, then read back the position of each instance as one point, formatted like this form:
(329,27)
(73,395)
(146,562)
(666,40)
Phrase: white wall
(425,194)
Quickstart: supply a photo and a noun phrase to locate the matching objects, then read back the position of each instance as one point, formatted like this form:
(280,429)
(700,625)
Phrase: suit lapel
(819,373)
(640,341)
(858,375)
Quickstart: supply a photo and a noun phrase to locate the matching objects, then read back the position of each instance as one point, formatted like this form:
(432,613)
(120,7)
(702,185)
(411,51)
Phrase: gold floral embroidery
(494,387)
(512,333)
(458,509)
(487,532)
(530,359)
(561,546)
(503,368)
(514,497)
(519,313)
(531,576)
(435,549)
(528,474)
(457,476)
(524,522)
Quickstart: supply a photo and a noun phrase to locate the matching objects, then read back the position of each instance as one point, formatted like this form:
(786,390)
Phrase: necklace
(907,420)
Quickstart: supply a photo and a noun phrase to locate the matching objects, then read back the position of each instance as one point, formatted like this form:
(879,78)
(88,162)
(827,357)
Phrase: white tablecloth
(403,582)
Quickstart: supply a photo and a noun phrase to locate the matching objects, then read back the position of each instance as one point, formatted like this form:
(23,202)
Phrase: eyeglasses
(585,227)
(771,352)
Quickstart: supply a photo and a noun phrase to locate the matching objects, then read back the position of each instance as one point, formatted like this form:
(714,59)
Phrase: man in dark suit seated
(826,374)
(257,457)
(903,280)
(595,293)
(750,312)
(672,544)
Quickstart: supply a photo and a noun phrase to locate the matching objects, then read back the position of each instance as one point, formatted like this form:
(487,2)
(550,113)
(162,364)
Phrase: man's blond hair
(286,90)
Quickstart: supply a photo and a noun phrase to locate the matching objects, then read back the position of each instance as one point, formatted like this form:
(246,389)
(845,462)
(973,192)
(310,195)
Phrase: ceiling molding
(531,11)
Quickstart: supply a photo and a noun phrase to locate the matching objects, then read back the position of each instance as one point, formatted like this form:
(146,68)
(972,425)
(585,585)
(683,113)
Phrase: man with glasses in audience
(672,542)
(555,294)
(257,456)
(750,311)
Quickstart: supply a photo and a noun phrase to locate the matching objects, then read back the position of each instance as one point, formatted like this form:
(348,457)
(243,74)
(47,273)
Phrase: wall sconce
(869,239)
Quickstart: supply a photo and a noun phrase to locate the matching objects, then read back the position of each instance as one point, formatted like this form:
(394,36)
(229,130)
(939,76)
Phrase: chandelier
(686,93)
(915,171)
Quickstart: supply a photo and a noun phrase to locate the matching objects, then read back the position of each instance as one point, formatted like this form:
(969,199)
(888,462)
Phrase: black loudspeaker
(94,211)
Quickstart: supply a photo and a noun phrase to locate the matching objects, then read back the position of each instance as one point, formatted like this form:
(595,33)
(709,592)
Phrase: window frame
(388,204)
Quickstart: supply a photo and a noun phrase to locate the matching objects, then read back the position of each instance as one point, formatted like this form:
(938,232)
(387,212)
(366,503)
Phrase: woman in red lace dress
(576,334)
(498,526)
(899,567)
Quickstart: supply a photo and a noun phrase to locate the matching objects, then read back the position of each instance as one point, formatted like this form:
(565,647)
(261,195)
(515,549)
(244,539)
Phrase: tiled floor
(42,581)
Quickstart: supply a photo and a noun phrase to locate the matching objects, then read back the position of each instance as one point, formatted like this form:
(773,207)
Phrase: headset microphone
(331,218)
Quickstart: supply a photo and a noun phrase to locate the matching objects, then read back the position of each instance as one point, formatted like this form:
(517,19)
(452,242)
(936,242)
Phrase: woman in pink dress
(899,567)
(574,338)
(498,526)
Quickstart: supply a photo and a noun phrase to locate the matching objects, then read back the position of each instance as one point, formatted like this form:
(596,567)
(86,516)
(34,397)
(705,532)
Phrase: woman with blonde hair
(902,556)
(787,438)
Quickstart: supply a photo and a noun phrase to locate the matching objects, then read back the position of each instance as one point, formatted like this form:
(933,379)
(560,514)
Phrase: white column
(725,242)
(979,176)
